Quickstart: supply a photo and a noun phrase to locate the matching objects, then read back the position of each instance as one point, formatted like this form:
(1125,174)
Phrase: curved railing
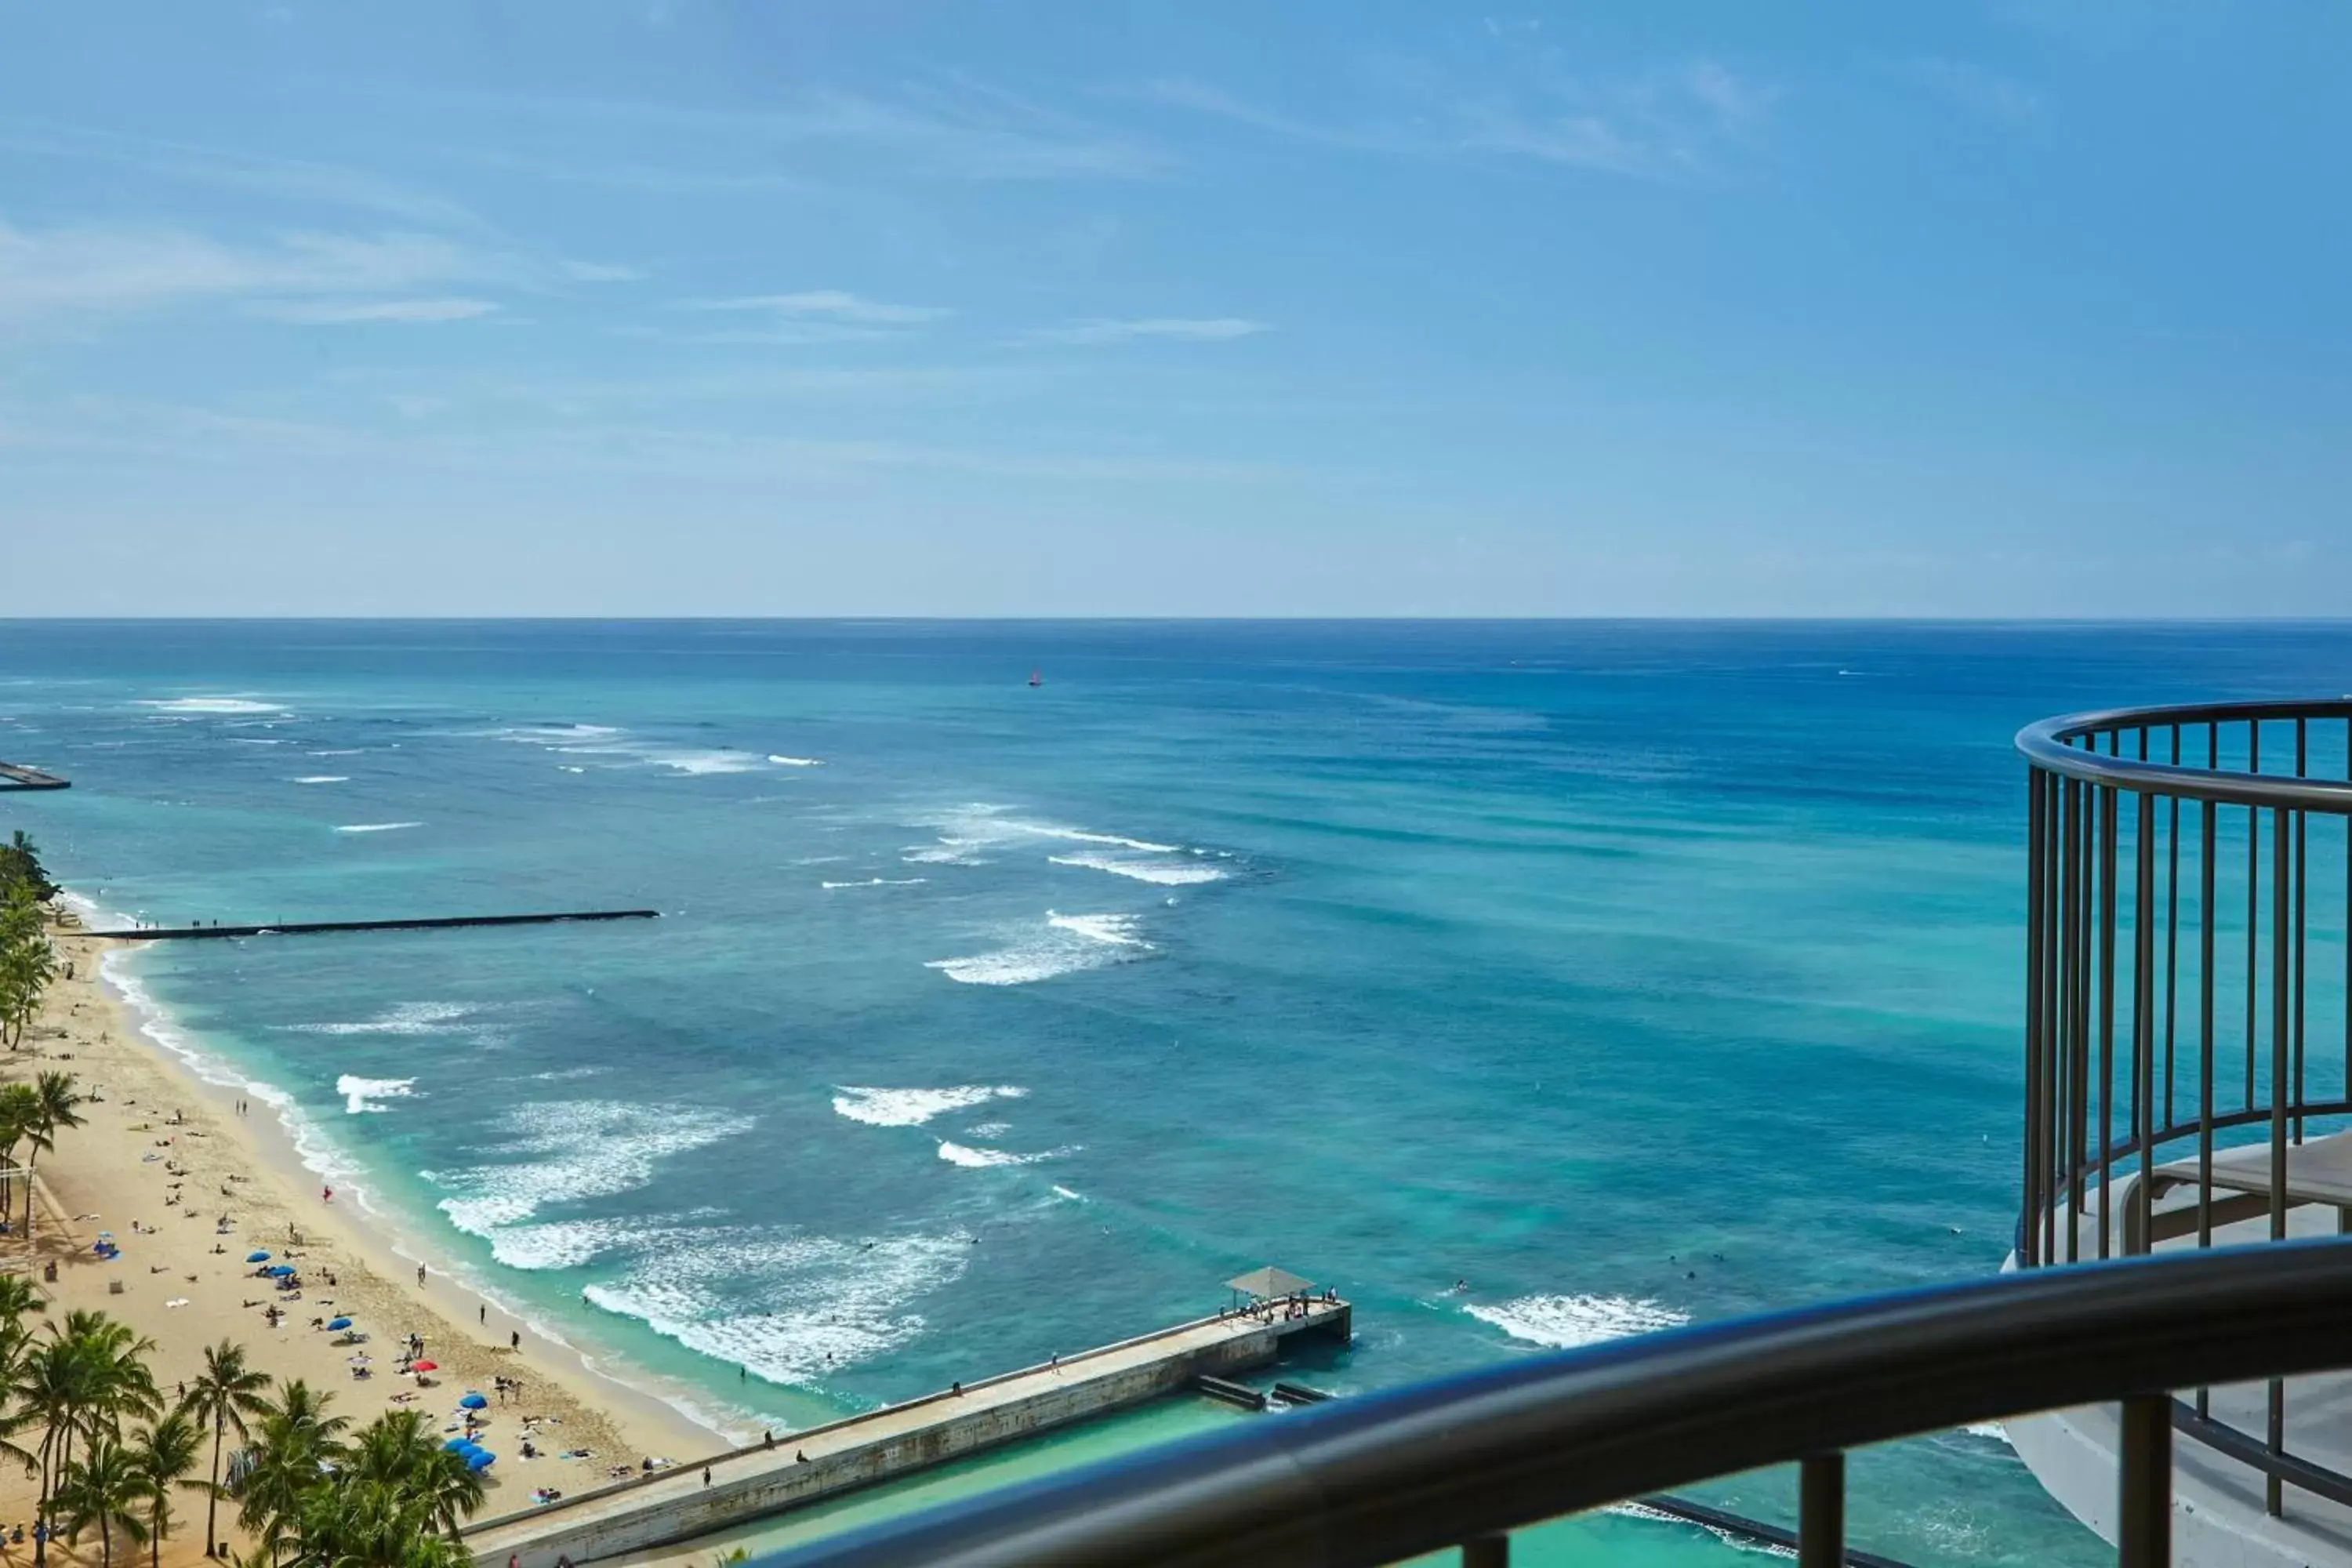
(1462,1461)
(2172,996)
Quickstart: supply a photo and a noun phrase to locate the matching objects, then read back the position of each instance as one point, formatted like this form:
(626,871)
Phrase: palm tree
(296,1440)
(80,1380)
(223,1396)
(400,1449)
(59,1108)
(107,1488)
(20,1106)
(162,1455)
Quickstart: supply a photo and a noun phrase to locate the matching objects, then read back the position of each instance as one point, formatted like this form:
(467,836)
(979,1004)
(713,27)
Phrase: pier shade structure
(821,1462)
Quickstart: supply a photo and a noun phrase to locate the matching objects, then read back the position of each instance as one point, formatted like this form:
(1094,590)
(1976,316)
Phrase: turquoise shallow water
(1629,974)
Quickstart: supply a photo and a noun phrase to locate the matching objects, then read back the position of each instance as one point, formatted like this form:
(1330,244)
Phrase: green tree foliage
(20,865)
(27,964)
(312,1491)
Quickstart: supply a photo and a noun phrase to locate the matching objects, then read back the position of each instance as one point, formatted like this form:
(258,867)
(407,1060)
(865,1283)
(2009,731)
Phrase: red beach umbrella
(424,1366)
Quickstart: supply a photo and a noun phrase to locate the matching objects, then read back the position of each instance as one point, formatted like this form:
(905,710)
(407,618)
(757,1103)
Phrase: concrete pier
(885,1445)
(16,775)
(306,927)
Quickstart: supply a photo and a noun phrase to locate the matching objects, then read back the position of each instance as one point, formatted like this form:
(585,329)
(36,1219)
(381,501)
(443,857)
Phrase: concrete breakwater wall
(886,1445)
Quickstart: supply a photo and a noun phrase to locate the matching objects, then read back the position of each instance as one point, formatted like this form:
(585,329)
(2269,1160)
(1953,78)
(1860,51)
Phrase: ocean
(1530,983)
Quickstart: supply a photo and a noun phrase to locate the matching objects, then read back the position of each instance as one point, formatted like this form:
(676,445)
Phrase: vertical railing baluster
(2208,813)
(2070,1133)
(2302,768)
(1821,1512)
(2052,1031)
(2280,867)
(2143,1513)
(2171,931)
(1487,1551)
(2106,960)
(2253,900)
(2030,1217)
(2143,1017)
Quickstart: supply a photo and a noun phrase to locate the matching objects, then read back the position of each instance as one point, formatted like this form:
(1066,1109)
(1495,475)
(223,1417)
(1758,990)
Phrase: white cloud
(292,180)
(51,274)
(1653,124)
(1172,329)
(828,305)
(346,312)
(597,273)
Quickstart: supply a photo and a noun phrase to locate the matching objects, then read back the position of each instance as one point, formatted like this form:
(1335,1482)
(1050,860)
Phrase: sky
(2026,308)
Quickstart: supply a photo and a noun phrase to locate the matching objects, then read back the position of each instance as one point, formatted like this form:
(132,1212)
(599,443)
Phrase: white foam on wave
(1736,1542)
(324,778)
(790,1309)
(784,761)
(1993,1429)
(989,1129)
(967,834)
(254,740)
(407,1018)
(338,751)
(364,1094)
(376,827)
(1564,1321)
(211,705)
(988,1159)
(1068,943)
(574,1243)
(1161,873)
(566,1150)
(877,883)
(913,1107)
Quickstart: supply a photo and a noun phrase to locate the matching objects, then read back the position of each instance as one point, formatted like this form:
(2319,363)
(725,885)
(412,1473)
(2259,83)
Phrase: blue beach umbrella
(473,1401)
(456,1445)
(338,1322)
(257,1258)
(282,1271)
(481,1459)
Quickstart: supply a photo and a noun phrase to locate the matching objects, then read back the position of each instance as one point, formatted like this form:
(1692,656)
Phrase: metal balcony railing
(2171,925)
(1463,1461)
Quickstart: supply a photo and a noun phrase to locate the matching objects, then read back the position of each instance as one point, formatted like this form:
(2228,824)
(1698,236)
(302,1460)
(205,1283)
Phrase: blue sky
(2014,309)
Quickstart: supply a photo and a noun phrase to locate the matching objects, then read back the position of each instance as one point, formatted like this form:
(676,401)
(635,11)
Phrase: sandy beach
(164,1156)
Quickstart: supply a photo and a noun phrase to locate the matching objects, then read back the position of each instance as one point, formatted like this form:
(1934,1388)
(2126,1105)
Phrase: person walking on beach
(706,1475)
(486,1314)
(420,1276)
(514,1339)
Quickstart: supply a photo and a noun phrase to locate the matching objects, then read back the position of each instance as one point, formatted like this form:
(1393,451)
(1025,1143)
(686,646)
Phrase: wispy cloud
(1168,329)
(355,312)
(1652,125)
(52,274)
(950,126)
(1978,90)
(294,180)
(597,273)
(827,304)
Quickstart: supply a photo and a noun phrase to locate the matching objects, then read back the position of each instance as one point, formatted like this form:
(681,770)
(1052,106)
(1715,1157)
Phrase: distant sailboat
(1036,677)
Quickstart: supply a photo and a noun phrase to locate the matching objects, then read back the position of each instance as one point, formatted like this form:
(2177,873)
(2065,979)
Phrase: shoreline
(298,1150)
(161,1125)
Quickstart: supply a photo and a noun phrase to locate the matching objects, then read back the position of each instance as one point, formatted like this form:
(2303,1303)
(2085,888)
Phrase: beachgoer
(706,1475)
(800,1456)
(956,1389)
(420,1274)
(767,1439)
(326,1194)
(514,1339)
(486,1314)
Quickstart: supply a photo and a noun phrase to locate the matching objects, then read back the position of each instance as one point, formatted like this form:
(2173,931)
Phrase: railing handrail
(2045,743)
(1386,1476)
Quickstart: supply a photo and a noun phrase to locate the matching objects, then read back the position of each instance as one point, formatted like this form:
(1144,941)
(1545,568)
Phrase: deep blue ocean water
(1630,974)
